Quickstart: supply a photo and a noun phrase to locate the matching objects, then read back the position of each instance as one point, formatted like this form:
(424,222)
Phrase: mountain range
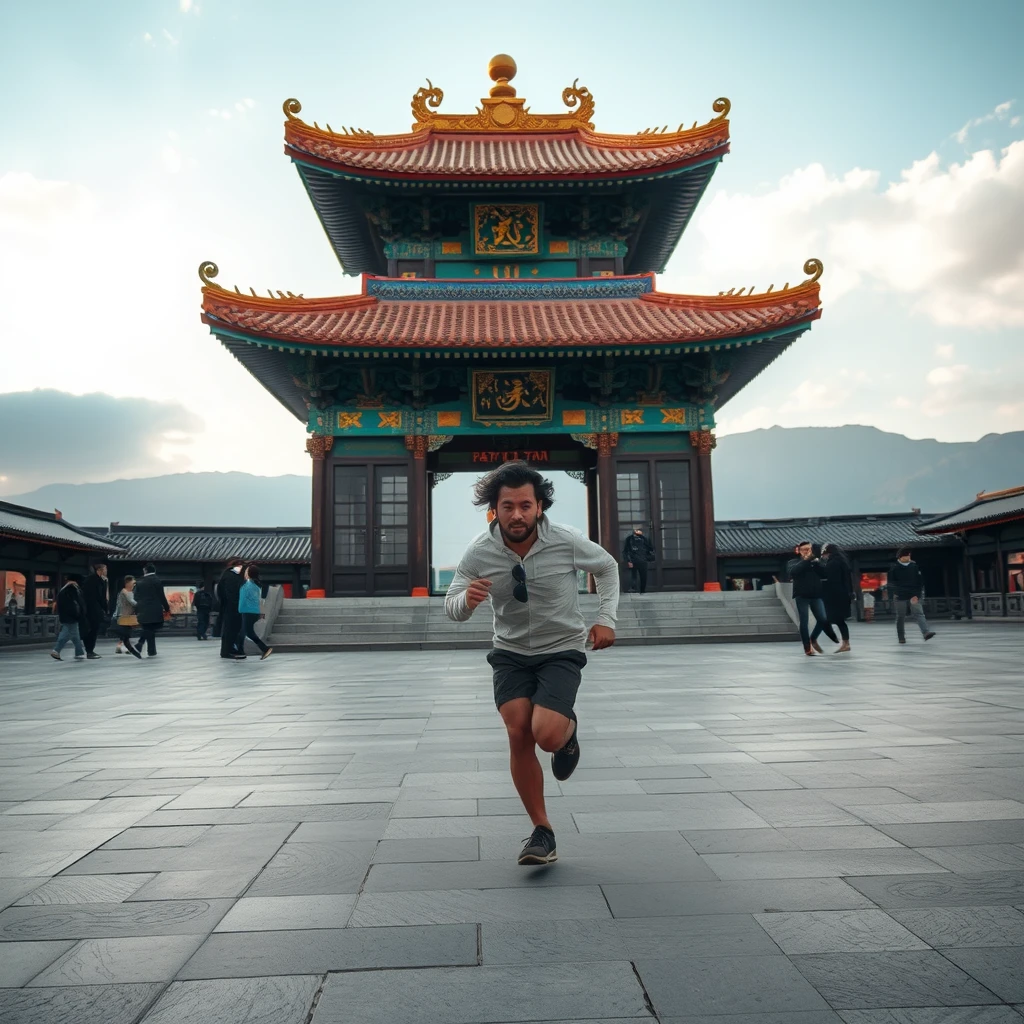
(763,474)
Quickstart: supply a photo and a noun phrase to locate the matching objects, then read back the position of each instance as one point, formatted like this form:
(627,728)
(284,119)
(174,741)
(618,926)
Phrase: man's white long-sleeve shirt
(551,620)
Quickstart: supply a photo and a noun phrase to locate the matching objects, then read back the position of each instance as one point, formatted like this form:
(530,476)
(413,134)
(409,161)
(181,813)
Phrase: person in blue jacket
(249,609)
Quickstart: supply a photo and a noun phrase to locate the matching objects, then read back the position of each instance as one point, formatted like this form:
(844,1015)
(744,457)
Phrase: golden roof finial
(502,68)
(208,270)
(814,268)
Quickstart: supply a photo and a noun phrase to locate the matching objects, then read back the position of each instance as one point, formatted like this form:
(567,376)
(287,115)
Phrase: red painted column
(419,540)
(605,445)
(704,442)
(318,446)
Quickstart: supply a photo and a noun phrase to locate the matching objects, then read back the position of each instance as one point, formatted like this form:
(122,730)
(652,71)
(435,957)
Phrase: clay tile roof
(367,321)
(520,156)
(986,510)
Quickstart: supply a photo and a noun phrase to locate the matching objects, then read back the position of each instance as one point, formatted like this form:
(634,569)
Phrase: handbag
(127,620)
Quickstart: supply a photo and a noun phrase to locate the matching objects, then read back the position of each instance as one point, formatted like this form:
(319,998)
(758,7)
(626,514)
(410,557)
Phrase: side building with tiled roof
(753,552)
(991,528)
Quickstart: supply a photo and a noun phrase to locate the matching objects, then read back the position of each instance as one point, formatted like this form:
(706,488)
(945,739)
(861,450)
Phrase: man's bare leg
(527,774)
(551,731)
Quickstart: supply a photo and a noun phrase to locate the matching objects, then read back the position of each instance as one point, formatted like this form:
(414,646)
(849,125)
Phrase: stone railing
(990,606)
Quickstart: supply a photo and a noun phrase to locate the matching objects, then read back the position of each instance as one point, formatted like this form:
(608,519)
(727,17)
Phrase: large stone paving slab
(752,838)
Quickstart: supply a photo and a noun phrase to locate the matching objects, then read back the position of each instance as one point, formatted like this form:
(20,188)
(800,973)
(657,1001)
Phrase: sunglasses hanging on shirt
(519,591)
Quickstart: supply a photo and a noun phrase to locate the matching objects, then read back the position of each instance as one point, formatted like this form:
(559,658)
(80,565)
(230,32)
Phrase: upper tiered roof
(503,145)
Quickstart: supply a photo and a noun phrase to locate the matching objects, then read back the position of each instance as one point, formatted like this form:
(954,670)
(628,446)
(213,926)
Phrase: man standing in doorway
(528,567)
(906,586)
(807,572)
(637,551)
(97,607)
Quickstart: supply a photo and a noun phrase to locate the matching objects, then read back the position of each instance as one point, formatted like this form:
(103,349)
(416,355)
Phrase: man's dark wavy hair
(512,474)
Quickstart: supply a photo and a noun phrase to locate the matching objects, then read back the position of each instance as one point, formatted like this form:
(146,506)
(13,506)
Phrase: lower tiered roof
(508,319)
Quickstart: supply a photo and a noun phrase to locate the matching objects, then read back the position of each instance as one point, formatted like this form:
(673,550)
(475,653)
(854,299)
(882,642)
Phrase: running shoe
(929,635)
(539,848)
(564,761)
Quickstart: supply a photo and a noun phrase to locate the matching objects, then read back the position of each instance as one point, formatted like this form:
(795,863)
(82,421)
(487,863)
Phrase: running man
(528,566)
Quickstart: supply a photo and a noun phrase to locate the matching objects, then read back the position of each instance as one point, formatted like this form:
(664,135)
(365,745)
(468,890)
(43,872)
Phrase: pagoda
(508,309)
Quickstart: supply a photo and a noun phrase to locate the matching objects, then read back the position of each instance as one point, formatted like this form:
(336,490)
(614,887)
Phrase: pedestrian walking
(906,587)
(250,612)
(230,621)
(202,603)
(95,591)
(72,614)
(125,617)
(527,566)
(837,591)
(807,572)
(151,607)
(637,552)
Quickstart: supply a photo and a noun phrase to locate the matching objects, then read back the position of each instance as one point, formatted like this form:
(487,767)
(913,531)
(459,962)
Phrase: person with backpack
(73,615)
(249,611)
(202,603)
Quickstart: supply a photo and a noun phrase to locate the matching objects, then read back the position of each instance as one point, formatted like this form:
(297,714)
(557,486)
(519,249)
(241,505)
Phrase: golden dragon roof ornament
(503,110)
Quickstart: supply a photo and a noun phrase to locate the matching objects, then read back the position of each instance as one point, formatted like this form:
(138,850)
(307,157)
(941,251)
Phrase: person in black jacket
(150,607)
(228,586)
(72,614)
(906,586)
(637,551)
(807,572)
(202,602)
(837,590)
(97,607)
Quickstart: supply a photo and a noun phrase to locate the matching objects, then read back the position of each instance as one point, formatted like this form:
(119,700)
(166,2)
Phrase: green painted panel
(381,447)
(457,419)
(510,269)
(635,444)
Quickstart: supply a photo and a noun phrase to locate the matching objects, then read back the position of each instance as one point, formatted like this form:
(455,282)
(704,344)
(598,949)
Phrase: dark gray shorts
(548,680)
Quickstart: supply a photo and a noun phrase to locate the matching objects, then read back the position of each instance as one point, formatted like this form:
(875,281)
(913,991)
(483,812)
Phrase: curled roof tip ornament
(814,267)
(721,107)
(292,107)
(208,270)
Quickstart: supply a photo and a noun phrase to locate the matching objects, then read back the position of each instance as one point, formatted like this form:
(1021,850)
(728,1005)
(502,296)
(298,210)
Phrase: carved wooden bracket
(319,445)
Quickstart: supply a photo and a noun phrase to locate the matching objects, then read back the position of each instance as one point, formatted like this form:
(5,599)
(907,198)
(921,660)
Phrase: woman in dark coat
(228,587)
(837,590)
(150,607)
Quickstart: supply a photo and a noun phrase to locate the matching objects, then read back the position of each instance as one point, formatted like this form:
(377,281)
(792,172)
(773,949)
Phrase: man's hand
(629,565)
(477,592)
(601,637)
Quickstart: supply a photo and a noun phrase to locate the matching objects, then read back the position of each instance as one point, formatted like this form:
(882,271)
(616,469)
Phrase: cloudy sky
(143,136)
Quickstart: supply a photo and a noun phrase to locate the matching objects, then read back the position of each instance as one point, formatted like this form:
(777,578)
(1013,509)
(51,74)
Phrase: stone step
(420,624)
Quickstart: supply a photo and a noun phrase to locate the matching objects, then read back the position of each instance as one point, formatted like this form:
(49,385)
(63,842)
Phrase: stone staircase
(406,623)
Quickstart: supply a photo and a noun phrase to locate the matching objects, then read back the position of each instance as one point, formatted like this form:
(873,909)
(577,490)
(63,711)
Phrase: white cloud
(753,419)
(946,238)
(239,107)
(170,157)
(167,35)
(184,6)
(963,390)
(101,295)
(944,352)
(148,38)
(1000,113)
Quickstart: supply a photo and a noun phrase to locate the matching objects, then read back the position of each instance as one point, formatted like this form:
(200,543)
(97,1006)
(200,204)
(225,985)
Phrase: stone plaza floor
(752,837)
